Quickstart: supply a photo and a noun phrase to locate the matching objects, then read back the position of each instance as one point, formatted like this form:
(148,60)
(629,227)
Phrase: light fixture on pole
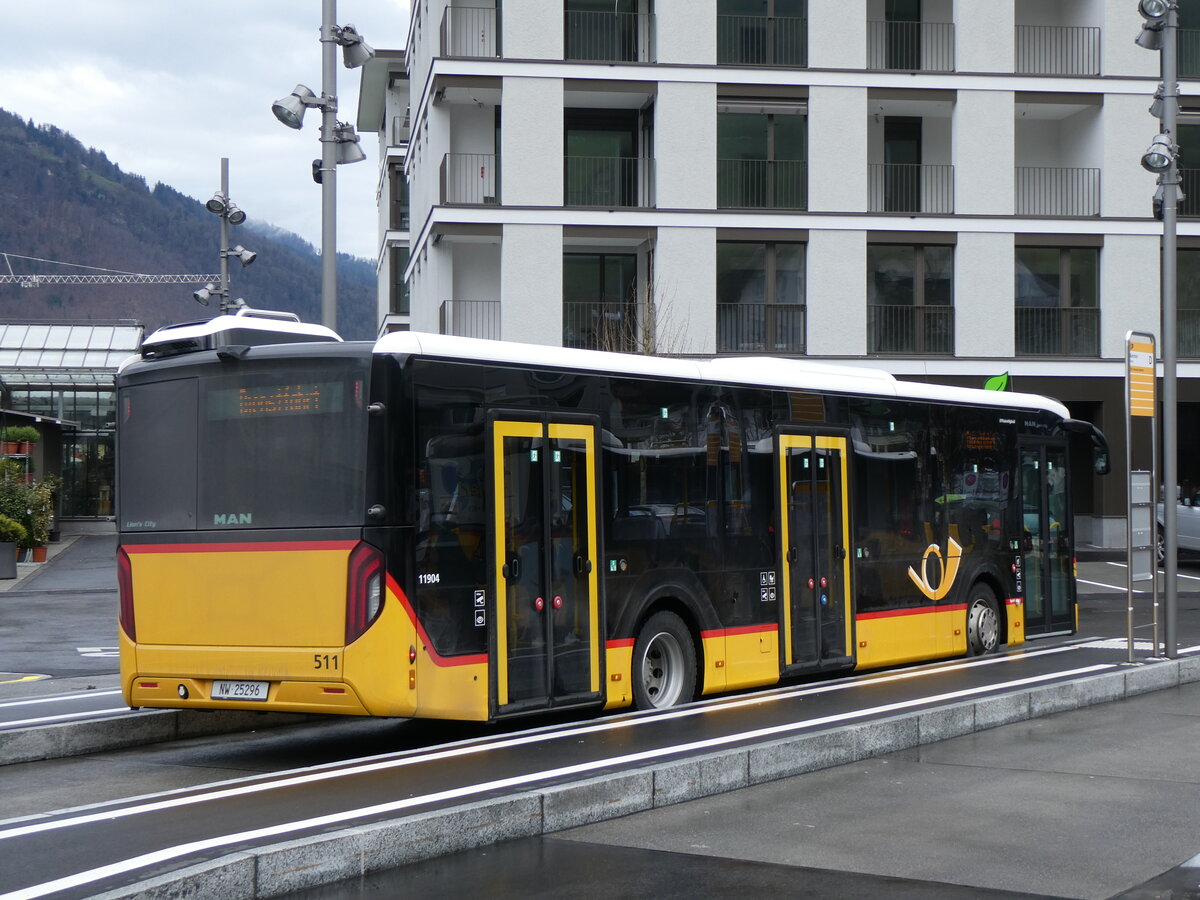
(221,205)
(1160,32)
(339,143)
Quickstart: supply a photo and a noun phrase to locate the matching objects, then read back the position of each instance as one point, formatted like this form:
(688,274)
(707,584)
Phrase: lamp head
(205,294)
(235,215)
(244,256)
(290,109)
(1160,154)
(216,205)
(355,51)
(347,149)
(1153,9)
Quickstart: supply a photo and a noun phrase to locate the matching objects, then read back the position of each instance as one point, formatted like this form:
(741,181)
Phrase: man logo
(948,570)
(232,519)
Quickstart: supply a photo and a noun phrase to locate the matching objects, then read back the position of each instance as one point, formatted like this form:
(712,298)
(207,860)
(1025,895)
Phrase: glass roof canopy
(65,355)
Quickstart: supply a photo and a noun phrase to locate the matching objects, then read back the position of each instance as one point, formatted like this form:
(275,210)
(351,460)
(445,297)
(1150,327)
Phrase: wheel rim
(983,626)
(662,670)
(1160,547)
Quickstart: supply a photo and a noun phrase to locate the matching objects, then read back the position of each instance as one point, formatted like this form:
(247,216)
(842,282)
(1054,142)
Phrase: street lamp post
(1159,32)
(339,143)
(221,205)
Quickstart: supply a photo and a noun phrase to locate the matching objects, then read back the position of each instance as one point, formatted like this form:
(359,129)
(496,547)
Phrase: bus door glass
(814,534)
(1046,538)
(547,632)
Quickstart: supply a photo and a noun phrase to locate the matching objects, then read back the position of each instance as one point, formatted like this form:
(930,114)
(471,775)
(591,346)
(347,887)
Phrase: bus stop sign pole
(1140,403)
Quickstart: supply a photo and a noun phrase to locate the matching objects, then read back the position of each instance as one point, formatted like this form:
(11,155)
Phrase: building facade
(945,189)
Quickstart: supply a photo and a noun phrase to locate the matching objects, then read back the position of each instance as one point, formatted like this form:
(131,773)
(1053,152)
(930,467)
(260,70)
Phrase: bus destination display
(275,400)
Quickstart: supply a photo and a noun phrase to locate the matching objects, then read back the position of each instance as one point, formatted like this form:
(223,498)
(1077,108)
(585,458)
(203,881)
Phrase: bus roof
(762,371)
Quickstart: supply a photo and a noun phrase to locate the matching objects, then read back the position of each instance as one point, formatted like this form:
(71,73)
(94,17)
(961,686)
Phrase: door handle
(512,568)
(792,555)
(582,565)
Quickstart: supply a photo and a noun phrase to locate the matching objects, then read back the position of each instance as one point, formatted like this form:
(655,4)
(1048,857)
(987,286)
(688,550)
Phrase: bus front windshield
(270,445)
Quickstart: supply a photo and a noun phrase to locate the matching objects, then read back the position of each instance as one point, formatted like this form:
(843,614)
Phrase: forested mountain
(69,203)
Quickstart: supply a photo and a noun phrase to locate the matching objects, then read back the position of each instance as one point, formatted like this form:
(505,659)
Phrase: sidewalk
(24,570)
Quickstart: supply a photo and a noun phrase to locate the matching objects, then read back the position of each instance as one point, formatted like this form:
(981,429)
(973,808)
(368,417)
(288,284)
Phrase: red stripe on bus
(914,611)
(1014,601)
(741,629)
(438,659)
(618,643)
(241,547)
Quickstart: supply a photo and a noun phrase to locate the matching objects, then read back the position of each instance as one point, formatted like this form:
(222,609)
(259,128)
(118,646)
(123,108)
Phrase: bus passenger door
(814,532)
(1047,546)
(546,626)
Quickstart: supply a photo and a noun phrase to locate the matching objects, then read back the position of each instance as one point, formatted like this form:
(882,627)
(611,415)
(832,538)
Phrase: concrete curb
(357,851)
(43,742)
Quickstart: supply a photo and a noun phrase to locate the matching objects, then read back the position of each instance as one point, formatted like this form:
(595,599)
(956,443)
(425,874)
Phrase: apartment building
(945,189)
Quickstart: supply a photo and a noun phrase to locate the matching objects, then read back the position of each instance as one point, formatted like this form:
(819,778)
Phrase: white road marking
(58,698)
(168,853)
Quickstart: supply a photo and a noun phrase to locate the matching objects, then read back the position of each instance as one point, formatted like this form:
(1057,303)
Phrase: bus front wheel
(664,663)
(983,621)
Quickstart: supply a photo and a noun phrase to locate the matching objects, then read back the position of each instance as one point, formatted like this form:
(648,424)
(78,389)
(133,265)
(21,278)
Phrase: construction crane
(94,275)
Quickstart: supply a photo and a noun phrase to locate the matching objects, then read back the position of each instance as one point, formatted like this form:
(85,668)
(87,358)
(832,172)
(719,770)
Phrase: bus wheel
(664,663)
(983,621)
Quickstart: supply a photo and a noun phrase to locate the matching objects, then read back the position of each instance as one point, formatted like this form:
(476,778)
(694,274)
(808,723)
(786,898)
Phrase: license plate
(240,690)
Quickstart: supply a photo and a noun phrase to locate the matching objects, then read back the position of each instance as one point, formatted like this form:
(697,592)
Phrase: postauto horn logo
(947,570)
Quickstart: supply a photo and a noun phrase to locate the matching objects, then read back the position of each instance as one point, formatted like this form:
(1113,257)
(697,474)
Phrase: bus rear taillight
(125,589)
(364,590)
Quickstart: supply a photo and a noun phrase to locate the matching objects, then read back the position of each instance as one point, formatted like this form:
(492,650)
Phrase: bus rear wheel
(983,621)
(664,663)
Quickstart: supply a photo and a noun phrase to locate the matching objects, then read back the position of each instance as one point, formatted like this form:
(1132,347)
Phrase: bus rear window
(275,446)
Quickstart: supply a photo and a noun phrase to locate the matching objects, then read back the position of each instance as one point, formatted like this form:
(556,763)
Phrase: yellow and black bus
(448,527)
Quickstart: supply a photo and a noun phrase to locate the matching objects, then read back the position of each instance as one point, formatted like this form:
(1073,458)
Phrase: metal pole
(328,165)
(225,235)
(1170,343)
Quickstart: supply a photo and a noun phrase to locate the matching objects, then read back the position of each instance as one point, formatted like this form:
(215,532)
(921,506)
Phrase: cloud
(165,89)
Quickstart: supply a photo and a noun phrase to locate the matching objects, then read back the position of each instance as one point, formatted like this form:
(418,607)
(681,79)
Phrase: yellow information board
(1139,357)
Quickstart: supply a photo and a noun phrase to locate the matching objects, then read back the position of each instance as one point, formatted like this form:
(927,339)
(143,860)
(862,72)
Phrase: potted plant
(12,535)
(24,435)
(39,519)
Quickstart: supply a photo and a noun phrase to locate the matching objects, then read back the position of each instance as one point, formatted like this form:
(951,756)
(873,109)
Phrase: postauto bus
(449,527)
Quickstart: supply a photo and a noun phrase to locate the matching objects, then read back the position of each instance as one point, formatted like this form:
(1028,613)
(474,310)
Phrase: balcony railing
(401,130)
(470,318)
(762,41)
(762,184)
(1058,50)
(911,188)
(607,36)
(760,328)
(1189,333)
(1189,183)
(1058,332)
(1046,191)
(469,179)
(470,31)
(910,330)
(600,325)
(612,182)
(910,46)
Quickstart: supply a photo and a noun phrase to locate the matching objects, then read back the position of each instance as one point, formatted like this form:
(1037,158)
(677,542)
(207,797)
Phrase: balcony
(401,130)
(762,41)
(910,188)
(469,179)
(1189,183)
(600,325)
(1073,331)
(610,182)
(1058,50)
(910,330)
(910,46)
(1188,44)
(469,31)
(760,328)
(1189,333)
(1049,191)
(470,318)
(762,184)
(607,36)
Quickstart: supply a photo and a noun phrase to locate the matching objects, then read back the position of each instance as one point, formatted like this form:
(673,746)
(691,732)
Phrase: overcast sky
(165,88)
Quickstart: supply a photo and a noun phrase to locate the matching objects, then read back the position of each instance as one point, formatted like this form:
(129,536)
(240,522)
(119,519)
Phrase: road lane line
(4,704)
(1111,587)
(168,853)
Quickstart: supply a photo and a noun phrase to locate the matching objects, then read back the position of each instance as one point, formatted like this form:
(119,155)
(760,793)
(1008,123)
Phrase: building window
(1187,294)
(1189,39)
(760,297)
(762,33)
(761,156)
(603,165)
(910,299)
(604,30)
(600,301)
(398,303)
(1057,301)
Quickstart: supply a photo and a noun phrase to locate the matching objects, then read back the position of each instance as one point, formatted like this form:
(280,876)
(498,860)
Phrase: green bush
(12,531)
(32,506)
(20,433)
